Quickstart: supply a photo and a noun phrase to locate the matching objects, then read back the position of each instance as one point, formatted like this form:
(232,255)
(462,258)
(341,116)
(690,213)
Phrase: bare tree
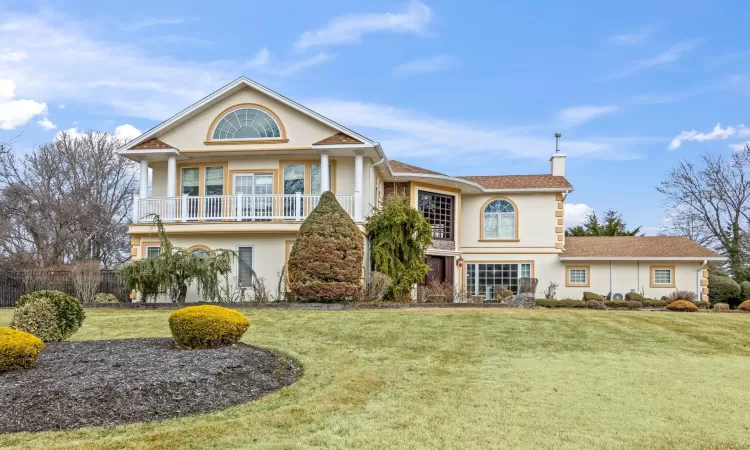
(713,203)
(68,200)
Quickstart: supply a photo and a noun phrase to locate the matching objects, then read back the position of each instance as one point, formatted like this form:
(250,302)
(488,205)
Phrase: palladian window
(246,123)
(499,221)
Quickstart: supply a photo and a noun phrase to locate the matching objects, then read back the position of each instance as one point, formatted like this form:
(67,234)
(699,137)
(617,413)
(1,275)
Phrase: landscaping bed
(104,383)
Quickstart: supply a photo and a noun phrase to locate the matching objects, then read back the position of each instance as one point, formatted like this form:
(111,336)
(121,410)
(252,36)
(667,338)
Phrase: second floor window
(499,220)
(437,209)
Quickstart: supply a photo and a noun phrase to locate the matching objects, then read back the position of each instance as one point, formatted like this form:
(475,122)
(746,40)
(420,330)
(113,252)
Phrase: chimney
(557,160)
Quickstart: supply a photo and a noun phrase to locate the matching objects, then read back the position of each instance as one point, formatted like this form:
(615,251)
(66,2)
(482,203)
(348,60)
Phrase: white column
(172,176)
(144,179)
(324,175)
(358,187)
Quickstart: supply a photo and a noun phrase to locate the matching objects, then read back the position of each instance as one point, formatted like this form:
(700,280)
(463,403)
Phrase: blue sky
(472,87)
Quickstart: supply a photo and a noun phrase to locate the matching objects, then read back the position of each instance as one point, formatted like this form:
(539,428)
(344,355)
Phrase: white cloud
(425,65)
(261,59)
(47,124)
(718,133)
(578,115)
(65,64)
(155,21)
(127,132)
(740,146)
(673,54)
(350,28)
(575,213)
(73,133)
(638,37)
(15,113)
(407,133)
(7,55)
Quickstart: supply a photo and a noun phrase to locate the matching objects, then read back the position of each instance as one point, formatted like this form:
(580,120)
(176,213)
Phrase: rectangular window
(490,280)
(215,180)
(662,276)
(577,276)
(315,179)
(294,178)
(189,181)
(437,209)
(153,251)
(245,266)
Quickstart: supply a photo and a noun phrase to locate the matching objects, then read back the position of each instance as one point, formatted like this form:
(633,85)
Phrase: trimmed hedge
(592,296)
(325,263)
(632,304)
(744,306)
(38,317)
(721,307)
(18,349)
(69,310)
(105,298)
(634,297)
(682,305)
(551,303)
(616,304)
(723,290)
(207,326)
(648,303)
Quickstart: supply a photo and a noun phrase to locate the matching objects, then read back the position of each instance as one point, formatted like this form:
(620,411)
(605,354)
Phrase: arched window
(499,221)
(200,252)
(246,123)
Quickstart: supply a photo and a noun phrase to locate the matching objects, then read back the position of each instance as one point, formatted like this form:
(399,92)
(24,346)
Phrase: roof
(151,143)
(520,182)
(398,166)
(338,139)
(228,89)
(635,247)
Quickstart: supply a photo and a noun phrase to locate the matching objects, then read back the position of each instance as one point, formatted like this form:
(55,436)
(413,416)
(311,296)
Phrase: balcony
(219,208)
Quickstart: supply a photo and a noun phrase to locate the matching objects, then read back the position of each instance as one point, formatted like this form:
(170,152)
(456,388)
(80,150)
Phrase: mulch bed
(104,383)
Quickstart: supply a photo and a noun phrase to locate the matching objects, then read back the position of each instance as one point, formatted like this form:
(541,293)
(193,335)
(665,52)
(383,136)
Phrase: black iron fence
(15,284)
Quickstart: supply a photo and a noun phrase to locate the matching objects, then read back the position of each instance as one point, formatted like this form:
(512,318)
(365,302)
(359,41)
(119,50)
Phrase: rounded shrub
(592,296)
(744,306)
(595,304)
(682,305)
(745,289)
(207,326)
(632,304)
(683,295)
(723,290)
(721,307)
(18,349)
(325,263)
(69,310)
(105,298)
(38,317)
(634,297)
(506,293)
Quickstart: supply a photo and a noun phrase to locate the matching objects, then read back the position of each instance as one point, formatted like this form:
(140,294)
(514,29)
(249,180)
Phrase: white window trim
(145,256)
(669,284)
(237,265)
(569,281)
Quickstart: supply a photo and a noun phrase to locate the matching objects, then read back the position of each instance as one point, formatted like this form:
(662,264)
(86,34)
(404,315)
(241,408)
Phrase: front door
(437,269)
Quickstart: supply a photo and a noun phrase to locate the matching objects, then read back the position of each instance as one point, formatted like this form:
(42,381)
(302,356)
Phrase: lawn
(495,378)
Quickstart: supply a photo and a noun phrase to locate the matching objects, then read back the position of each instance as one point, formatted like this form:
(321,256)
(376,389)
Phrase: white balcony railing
(294,207)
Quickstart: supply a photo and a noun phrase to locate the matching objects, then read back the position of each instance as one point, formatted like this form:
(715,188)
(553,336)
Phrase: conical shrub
(326,261)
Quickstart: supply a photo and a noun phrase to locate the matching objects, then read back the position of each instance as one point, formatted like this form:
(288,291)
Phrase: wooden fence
(14,284)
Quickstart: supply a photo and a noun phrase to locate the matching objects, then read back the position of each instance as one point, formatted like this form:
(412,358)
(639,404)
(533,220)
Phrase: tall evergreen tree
(611,225)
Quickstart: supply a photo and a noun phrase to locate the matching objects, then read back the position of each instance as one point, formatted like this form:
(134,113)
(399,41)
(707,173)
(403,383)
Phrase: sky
(464,88)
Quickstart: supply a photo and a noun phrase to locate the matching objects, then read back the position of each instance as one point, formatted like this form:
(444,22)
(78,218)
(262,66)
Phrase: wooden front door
(437,269)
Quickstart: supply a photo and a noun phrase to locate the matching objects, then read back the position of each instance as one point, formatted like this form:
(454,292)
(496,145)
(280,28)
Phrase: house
(243,167)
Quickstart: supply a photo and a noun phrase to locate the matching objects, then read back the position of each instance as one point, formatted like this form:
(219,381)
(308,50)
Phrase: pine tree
(611,225)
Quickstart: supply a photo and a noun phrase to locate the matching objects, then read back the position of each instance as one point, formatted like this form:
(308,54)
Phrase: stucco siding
(535,216)
(301,130)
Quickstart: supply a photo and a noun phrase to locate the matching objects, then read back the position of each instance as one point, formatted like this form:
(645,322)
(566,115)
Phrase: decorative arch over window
(200,250)
(246,122)
(500,220)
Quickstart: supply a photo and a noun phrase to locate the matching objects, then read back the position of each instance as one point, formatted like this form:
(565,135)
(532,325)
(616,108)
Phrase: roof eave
(642,258)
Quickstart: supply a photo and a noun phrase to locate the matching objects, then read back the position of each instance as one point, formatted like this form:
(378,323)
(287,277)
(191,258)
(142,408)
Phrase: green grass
(495,378)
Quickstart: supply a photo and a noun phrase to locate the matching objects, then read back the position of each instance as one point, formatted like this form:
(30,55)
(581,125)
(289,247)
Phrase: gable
(299,131)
